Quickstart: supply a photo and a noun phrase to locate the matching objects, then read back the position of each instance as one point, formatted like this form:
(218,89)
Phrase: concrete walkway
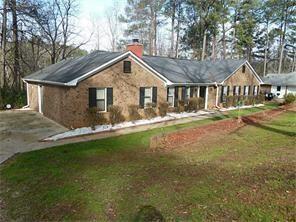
(21,131)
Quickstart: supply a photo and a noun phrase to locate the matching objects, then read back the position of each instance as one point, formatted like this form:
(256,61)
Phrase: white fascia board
(44,82)
(249,65)
(194,84)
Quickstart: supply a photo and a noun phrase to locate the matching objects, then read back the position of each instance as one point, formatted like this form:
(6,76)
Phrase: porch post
(39,99)
(206,97)
(198,88)
(28,98)
(217,95)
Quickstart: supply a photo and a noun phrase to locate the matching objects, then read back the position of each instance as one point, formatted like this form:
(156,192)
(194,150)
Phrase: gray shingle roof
(193,71)
(70,69)
(175,70)
(284,79)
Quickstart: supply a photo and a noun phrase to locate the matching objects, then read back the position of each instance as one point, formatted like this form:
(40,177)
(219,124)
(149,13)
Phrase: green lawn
(248,175)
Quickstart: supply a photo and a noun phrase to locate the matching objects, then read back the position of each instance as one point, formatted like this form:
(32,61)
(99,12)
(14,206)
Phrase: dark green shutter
(92,97)
(154,96)
(191,91)
(141,99)
(228,90)
(176,96)
(183,93)
(239,90)
(109,97)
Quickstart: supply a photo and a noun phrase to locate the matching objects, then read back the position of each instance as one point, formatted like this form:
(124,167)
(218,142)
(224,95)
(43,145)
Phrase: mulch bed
(192,135)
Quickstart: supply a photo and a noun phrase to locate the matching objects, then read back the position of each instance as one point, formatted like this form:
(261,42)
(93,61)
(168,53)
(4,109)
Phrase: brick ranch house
(64,91)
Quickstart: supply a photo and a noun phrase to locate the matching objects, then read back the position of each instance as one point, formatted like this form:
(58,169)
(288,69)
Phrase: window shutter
(154,96)
(228,90)
(239,90)
(142,95)
(176,96)
(234,89)
(183,93)
(92,97)
(109,97)
(191,91)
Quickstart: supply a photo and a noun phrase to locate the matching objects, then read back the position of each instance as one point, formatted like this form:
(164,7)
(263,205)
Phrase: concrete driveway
(20,131)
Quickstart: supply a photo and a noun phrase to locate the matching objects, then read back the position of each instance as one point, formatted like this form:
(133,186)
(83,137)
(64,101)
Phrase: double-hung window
(101,99)
(246,90)
(127,67)
(171,94)
(255,90)
(236,90)
(147,96)
(224,93)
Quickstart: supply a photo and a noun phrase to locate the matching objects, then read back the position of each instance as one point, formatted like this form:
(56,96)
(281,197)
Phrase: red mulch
(192,135)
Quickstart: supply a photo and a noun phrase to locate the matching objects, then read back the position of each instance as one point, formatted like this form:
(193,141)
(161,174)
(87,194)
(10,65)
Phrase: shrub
(201,103)
(230,101)
(193,104)
(181,106)
(149,111)
(133,111)
(95,117)
(163,109)
(290,98)
(115,114)
(14,97)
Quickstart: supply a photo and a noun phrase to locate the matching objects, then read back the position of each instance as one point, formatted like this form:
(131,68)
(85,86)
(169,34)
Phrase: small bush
(14,97)
(95,117)
(230,100)
(149,111)
(115,114)
(133,111)
(193,104)
(163,109)
(290,98)
(181,106)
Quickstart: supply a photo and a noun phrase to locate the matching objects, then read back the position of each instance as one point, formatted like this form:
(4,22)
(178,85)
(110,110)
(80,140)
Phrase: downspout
(217,95)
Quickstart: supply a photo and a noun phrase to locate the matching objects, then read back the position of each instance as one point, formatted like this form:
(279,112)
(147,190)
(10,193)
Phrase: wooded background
(37,33)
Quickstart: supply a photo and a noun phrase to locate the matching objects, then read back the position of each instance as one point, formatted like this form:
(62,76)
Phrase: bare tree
(112,16)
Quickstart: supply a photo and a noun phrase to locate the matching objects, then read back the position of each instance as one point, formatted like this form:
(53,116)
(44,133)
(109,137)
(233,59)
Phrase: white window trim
(151,88)
(173,103)
(105,91)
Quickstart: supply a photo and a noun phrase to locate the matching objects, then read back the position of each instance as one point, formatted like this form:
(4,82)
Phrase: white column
(206,97)
(39,99)
(198,88)
(28,98)
(217,95)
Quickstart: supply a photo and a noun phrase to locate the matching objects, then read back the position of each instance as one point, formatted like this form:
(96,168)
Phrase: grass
(248,175)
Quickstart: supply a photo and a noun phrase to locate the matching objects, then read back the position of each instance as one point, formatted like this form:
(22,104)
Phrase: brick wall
(240,79)
(68,105)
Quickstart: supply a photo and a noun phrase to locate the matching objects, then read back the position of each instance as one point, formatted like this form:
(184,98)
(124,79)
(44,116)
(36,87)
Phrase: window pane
(101,105)
(148,92)
(127,67)
(171,91)
(224,90)
(100,93)
(147,100)
(170,100)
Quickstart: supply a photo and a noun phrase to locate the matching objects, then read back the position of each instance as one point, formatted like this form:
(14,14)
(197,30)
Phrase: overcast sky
(94,12)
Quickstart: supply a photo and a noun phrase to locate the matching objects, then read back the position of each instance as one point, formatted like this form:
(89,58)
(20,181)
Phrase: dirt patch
(192,135)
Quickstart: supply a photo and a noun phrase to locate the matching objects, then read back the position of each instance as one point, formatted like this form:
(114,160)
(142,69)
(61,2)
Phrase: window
(278,88)
(187,93)
(147,96)
(171,93)
(255,90)
(244,69)
(101,99)
(246,90)
(224,93)
(127,67)
(236,90)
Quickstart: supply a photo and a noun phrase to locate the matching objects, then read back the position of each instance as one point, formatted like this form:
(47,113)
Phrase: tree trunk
(173,29)
(155,33)
(204,44)
(283,39)
(214,47)
(3,42)
(16,65)
(224,41)
(266,50)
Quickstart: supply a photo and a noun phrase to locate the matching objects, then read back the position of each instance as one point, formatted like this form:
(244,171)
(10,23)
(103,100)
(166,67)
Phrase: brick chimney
(136,48)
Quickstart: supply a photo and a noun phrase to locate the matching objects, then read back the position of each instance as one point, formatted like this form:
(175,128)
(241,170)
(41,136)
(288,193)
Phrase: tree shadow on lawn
(251,122)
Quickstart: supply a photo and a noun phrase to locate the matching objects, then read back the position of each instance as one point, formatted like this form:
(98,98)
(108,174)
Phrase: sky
(92,17)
